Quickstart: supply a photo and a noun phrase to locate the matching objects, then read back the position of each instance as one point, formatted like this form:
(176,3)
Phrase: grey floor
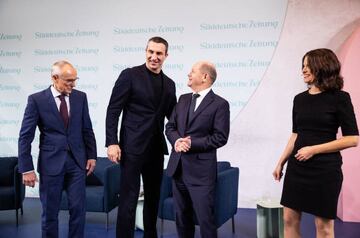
(245,225)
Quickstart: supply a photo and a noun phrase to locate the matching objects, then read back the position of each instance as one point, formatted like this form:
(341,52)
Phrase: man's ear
(204,79)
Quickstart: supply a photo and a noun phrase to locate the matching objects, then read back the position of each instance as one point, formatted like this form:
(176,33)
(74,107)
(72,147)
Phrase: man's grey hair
(209,68)
(57,66)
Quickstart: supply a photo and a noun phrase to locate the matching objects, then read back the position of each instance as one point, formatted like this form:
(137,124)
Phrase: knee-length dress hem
(313,186)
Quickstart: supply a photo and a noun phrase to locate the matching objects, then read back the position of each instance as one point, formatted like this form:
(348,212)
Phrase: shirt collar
(204,92)
(55,92)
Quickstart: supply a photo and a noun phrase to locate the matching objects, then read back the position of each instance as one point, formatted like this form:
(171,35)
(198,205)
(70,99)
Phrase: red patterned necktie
(63,110)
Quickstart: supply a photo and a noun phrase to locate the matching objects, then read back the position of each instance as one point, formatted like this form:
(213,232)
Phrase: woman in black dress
(313,176)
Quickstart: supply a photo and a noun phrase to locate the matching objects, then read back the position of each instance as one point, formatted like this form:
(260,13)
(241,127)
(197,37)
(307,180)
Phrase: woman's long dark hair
(325,66)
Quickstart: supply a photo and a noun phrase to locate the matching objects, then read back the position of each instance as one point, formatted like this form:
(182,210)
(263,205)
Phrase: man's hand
(183,144)
(114,153)
(90,166)
(29,179)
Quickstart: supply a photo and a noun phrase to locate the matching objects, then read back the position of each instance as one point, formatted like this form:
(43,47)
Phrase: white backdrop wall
(260,132)
(256,45)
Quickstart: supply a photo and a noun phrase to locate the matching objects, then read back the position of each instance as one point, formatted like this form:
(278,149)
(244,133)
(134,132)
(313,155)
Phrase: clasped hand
(183,144)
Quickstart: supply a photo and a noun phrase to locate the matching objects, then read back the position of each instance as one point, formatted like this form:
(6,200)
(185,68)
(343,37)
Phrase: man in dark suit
(144,95)
(67,148)
(198,126)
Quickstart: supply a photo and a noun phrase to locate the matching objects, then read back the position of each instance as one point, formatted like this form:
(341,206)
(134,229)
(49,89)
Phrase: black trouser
(150,166)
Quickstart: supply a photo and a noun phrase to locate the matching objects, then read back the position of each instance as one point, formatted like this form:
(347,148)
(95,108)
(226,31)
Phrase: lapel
(208,99)
(52,104)
(74,107)
(184,111)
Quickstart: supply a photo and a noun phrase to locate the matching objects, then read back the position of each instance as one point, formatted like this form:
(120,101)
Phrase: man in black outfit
(144,95)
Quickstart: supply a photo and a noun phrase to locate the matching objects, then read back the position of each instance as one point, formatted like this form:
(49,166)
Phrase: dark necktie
(63,110)
(192,106)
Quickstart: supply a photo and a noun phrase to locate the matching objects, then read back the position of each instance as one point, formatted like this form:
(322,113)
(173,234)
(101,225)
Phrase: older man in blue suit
(198,126)
(67,148)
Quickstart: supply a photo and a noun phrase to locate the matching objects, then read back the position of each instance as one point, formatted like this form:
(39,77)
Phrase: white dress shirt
(56,95)
(202,94)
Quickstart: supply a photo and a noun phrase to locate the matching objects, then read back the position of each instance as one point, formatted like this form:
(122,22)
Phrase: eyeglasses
(69,81)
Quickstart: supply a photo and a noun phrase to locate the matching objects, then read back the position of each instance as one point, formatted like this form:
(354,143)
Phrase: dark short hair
(325,67)
(158,39)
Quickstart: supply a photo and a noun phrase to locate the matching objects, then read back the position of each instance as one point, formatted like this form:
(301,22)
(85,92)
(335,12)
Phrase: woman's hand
(278,172)
(305,153)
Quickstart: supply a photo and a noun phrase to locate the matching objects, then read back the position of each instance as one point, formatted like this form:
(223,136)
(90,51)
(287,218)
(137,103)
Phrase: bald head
(208,68)
(201,76)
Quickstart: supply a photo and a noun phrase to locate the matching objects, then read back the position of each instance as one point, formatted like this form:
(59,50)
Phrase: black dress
(313,186)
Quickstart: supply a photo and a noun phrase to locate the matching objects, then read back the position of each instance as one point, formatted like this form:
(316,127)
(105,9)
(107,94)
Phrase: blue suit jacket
(208,129)
(133,95)
(55,139)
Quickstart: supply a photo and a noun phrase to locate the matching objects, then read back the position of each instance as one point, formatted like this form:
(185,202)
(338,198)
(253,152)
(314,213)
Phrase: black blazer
(133,95)
(208,129)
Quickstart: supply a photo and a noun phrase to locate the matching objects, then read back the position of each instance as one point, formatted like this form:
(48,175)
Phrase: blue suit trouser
(72,180)
(190,199)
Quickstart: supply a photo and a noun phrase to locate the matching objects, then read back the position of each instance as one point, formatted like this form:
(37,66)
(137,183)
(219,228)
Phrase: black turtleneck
(157,84)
